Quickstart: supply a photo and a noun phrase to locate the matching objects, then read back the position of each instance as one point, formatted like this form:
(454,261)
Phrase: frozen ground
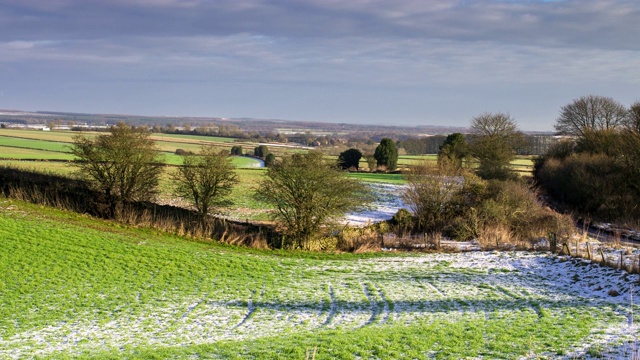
(388,200)
(336,294)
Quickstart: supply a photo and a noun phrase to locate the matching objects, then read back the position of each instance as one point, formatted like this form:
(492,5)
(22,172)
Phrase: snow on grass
(336,294)
(387,202)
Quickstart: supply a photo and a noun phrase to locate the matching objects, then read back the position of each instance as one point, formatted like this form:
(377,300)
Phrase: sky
(397,62)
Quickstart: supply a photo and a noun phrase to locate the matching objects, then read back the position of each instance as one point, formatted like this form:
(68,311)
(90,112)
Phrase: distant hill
(262,126)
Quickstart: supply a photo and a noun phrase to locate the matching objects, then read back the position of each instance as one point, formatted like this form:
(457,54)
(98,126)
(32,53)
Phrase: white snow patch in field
(388,200)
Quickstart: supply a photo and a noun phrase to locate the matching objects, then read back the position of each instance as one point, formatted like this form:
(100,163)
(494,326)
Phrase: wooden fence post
(565,247)
(620,266)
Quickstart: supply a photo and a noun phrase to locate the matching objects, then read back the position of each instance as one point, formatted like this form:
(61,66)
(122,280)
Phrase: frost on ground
(388,200)
(337,294)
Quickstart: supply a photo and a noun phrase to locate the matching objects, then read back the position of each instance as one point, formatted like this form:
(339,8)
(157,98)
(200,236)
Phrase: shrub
(349,159)
(402,220)
(236,150)
(269,160)
(594,185)
(429,196)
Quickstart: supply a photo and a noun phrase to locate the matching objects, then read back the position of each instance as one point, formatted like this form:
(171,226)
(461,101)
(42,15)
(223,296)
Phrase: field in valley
(73,286)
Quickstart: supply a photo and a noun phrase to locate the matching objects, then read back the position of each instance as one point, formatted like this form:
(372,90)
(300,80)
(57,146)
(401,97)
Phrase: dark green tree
(261,151)
(206,179)
(125,164)
(454,151)
(386,154)
(350,159)
(269,160)
(308,194)
(236,150)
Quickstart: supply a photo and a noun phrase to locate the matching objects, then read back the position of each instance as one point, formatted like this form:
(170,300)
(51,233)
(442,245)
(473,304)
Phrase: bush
(509,212)
(593,185)
(430,197)
(402,220)
(269,160)
(183,152)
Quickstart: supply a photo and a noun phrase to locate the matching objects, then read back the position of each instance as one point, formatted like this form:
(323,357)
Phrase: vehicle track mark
(251,307)
(333,307)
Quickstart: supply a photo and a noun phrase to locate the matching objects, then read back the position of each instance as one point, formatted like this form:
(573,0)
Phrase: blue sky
(402,62)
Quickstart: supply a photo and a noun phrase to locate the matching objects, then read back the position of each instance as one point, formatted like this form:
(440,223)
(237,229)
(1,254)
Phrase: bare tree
(493,142)
(205,179)
(633,121)
(429,195)
(589,114)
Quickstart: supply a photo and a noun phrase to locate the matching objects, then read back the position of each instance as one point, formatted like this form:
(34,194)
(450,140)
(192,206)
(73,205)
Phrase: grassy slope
(95,288)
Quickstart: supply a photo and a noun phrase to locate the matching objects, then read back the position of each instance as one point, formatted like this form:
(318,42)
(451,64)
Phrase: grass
(32,154)
(34,144)
(379,177)
(73,286)
(197,138)
(59,136)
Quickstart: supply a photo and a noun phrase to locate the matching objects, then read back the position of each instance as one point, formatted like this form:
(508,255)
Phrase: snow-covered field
(388,200)
(337,294)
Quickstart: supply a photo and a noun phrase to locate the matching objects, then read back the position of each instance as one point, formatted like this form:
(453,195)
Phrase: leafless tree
(493,142)
(589,114)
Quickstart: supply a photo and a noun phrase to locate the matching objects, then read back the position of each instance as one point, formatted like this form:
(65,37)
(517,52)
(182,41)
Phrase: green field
(59,136)
(195,138)
(379,177)
(46,145)
(34,144)
(32,154)
(73,286)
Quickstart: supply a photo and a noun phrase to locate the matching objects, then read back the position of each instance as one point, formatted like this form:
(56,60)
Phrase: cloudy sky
(403,62)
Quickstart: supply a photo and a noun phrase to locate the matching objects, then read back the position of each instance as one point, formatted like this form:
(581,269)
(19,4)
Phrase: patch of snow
(388,200)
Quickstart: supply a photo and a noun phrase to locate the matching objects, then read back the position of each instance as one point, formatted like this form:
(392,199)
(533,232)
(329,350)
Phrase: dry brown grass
(359,240)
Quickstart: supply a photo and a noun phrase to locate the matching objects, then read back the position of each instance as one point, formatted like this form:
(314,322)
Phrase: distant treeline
(533,145)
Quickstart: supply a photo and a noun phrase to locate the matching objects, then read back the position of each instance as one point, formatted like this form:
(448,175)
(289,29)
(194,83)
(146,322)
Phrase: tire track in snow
(333,307)
(386,310)
(251,307)
(373,305)
(379,305)
(435,289)
(194,306)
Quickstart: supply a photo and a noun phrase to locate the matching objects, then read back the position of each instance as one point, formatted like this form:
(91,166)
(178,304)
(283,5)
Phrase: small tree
(308,194)
(236,150)
(350,159)
(494,140)
(205,179)
(371,161)
(261,151)
(454,151)
(386,154)
(125,164)
(269,160)
(429,194)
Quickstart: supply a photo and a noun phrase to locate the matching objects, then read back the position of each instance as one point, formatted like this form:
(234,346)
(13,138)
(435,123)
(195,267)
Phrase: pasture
(74,286)
(47,145)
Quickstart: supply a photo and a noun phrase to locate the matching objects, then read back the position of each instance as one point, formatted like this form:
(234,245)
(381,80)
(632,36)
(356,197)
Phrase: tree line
(306,192)
(595,170)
